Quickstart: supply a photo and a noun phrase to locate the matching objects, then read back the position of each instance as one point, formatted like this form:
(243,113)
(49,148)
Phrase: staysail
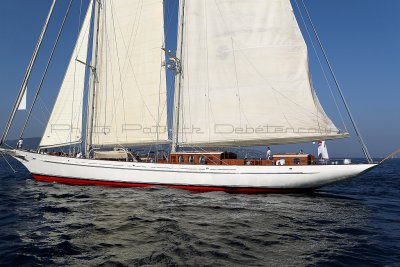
(129,95)
(65,124)
(245,77)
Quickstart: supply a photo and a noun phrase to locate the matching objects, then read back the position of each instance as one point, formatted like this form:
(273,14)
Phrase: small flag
(22,105)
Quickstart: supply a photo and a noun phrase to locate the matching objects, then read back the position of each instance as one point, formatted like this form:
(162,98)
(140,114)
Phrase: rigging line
(235,64)
(257,71)
(44,124)
(22,89)
(208,105)
(179,109)
(322,68)
(314,96)
(7,145)
(159,97)
(92,90)
(133,33)
(301,107)
(80,104)
(44,105)
(185,51)
(85,93)
(237,83)
(261,76)
(46,69)
(103,92)
(130,62)
(38,120)
(8,162)
(73,91)
(105,57)
(43,108)
(182,108)
(108,50)
(119,66)
(360,139)
(72,115)
(178,95)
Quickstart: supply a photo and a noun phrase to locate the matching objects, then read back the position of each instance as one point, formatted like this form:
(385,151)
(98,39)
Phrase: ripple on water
(352,223)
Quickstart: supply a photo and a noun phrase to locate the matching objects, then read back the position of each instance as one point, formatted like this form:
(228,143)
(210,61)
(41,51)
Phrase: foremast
(178,78)
(92,88)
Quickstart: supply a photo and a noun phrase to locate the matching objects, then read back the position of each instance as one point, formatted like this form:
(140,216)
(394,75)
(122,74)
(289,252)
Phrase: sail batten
(245,66)
(65,123)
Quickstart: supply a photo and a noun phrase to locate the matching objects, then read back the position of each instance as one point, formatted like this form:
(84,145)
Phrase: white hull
(200,177)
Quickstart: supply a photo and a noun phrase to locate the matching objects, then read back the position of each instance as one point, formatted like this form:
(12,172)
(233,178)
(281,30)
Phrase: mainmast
(178,82)
(22,89)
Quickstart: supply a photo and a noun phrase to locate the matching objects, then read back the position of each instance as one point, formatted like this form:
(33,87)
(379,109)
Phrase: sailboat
(242,79)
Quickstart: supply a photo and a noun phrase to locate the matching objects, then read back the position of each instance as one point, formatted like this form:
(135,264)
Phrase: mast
(91,98)
(178,82)
(22,89)
(127,87)
(237,77)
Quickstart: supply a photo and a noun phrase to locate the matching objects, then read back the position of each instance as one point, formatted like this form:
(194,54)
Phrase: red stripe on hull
(245,190)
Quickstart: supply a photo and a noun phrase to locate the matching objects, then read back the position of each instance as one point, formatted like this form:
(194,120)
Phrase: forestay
(130,105)
(245,78)
(65,124)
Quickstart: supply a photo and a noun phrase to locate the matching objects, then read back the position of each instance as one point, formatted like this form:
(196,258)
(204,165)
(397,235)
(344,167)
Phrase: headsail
(65,124)
(246,77)
(130,104)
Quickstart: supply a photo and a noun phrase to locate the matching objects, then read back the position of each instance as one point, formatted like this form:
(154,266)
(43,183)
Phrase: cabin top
(291,155)
(197,153)
(293,159)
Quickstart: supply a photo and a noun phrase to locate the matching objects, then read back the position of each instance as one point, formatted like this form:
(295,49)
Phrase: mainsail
(129,94)
(245,77)
(65,124)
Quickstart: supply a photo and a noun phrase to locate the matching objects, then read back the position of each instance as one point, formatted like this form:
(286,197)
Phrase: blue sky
(361,38)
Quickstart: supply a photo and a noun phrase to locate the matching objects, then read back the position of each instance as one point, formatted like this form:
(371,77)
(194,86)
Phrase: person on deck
(268,153)
(20,143)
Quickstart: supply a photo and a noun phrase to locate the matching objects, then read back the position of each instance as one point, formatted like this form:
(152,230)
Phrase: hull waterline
(235,179)
(243,190)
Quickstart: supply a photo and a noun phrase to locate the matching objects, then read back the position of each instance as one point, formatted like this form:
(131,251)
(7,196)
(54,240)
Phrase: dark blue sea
(354,223)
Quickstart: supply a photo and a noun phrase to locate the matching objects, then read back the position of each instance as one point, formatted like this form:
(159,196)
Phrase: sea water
(353,223)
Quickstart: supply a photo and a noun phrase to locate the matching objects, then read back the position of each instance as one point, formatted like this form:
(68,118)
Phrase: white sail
(246,77)
(22,105)
(65,124)
(130,104)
